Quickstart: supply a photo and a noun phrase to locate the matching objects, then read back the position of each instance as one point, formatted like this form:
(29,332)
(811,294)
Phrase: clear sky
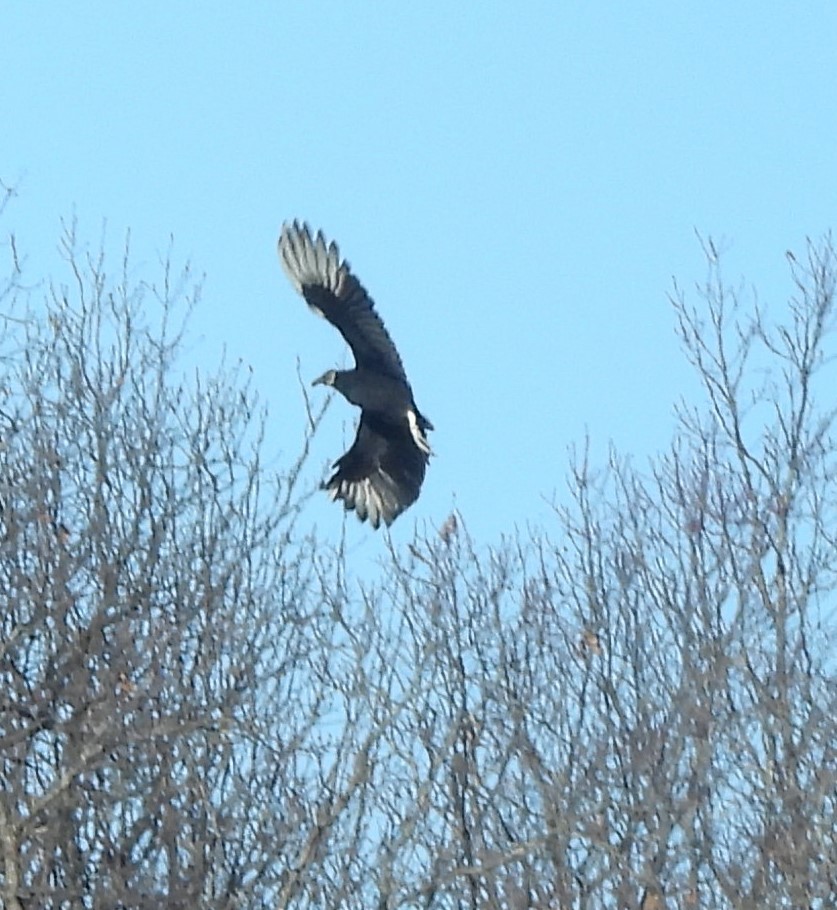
(515,183)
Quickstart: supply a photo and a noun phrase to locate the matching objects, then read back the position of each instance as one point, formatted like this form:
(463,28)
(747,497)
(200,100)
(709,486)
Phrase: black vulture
(381,474)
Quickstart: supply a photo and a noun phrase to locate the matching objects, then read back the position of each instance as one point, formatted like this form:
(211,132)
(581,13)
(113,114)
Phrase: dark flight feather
(332,291)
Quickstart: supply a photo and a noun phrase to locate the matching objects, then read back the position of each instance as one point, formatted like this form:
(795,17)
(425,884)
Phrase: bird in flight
(382,473)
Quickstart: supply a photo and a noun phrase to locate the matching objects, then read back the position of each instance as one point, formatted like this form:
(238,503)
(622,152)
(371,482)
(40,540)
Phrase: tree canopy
(202,706)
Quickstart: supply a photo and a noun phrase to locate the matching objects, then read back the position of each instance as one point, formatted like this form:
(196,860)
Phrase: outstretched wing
(381,474)
(328,285)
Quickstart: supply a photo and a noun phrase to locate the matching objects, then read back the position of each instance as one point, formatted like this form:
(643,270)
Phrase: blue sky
(515,184)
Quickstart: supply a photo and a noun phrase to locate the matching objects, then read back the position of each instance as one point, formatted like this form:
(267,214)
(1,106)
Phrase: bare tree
(201,705)
(149,589)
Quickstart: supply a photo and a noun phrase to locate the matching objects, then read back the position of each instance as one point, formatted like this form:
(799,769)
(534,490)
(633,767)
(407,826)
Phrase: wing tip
(365,500)
(308,258)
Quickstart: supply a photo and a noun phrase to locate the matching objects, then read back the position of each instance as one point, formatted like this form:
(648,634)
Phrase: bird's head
(328,378)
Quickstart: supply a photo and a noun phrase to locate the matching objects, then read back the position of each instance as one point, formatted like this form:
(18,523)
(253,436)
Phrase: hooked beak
(320,380)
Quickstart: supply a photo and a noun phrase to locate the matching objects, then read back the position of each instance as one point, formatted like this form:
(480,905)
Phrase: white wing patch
(415,431)
(371,500)
(308,260)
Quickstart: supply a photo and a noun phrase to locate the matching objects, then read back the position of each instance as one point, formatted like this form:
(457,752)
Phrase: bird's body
(382,473)
(374,391)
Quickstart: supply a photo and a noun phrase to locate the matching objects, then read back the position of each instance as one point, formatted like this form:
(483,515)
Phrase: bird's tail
(423,422)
